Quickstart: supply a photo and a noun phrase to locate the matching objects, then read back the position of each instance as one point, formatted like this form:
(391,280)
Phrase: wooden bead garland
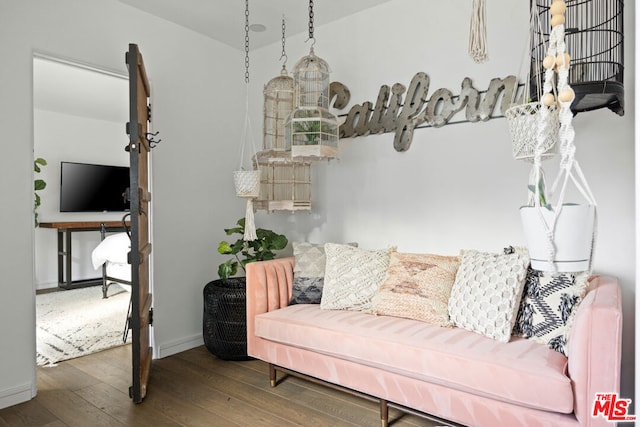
(566,95)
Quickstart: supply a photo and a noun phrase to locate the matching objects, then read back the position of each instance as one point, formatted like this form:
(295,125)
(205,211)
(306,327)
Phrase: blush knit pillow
(417,286)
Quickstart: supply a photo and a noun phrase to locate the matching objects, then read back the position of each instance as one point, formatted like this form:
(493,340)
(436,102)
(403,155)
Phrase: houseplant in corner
(224,317)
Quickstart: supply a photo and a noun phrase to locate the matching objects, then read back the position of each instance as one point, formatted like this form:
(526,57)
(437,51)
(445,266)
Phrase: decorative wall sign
(392,113)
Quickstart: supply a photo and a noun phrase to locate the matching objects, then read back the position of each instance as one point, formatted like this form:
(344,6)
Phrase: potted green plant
(224,318)
(244,252)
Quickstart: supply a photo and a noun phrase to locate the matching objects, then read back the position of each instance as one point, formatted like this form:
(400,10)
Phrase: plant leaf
(279,242)
(224,248)
(39,184)
(227,269)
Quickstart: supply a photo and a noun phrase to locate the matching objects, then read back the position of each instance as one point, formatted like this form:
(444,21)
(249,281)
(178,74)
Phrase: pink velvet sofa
(449,373)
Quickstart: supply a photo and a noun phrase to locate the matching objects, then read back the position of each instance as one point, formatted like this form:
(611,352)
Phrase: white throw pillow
(352,276)
(486,293)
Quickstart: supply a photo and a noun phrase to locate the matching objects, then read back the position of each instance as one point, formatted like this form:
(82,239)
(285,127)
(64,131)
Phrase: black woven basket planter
(224,322)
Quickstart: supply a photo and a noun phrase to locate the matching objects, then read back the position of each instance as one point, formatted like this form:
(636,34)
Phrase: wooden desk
(65,229)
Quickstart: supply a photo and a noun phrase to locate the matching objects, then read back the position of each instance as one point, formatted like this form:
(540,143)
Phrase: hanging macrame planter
(534,126)
(560,237)
(247,181)
(530,122)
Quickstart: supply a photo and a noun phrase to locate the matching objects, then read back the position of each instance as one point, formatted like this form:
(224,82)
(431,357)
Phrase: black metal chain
(246,42)
(311,20)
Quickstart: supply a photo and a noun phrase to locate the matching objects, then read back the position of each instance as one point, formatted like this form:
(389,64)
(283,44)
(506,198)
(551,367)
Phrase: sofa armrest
(595,347)
(269,286)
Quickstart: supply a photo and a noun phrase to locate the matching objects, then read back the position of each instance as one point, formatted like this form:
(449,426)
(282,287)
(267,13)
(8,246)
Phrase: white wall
(63,137)
(457,186)
(195,81)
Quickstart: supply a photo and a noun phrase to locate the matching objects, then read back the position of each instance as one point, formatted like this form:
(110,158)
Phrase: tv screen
(93,188)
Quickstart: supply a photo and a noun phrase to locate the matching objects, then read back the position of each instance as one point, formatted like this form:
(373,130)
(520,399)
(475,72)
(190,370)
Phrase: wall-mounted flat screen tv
(93,188)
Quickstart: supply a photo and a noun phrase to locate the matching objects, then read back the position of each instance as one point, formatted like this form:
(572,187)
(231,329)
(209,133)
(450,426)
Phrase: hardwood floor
(193,388)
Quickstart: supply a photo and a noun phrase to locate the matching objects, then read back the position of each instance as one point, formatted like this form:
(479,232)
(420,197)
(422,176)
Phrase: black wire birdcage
(594,39)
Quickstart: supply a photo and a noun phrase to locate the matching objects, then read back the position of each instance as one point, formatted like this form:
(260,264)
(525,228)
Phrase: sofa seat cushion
(520,371)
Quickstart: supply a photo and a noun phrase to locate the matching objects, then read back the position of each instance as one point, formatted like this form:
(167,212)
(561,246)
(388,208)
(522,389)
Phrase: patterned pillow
(308,272)
(548,305)
(352,276)
(417,286)
(486,293)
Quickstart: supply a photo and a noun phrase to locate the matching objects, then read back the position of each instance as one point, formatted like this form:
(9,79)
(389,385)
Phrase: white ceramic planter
(572,239)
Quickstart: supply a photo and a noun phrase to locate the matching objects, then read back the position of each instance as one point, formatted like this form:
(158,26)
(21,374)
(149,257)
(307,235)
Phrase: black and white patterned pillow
(548,305)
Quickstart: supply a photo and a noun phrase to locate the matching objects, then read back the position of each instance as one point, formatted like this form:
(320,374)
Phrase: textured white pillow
(352,276)
(486,293)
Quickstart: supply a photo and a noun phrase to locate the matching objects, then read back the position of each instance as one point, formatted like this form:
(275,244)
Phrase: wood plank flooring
(193,388)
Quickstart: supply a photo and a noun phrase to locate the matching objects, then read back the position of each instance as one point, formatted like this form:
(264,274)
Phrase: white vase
(569,247)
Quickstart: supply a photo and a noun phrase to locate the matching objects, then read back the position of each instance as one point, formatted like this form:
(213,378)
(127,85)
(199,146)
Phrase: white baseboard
(15,395)
(178,346)
(50,285)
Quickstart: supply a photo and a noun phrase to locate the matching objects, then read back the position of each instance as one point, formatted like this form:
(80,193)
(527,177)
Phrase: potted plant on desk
(224,318)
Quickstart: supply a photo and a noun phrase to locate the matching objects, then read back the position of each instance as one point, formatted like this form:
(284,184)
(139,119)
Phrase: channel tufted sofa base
(448,373)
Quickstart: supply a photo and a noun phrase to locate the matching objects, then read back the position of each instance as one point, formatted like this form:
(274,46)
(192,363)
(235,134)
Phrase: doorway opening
(79,116)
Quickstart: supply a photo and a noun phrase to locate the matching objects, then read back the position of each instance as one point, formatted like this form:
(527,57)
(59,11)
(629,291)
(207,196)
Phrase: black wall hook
(151,140)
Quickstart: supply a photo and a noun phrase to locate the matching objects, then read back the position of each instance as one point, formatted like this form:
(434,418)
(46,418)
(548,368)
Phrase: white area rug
(78,322)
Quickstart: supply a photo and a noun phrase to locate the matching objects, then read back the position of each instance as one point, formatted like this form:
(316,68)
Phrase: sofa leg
(384,413)
(272,375)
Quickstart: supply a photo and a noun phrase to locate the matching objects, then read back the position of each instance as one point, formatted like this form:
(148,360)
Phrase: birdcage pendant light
(311,129)
(285,184)
(278,105)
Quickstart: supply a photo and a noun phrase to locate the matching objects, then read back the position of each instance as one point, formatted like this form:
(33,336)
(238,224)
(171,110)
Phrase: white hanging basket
(568,247)
(247,183)
(533,126)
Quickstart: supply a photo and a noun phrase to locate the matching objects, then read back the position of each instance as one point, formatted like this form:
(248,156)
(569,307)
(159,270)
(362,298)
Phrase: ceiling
(80,91)
(224,20)
(87,92)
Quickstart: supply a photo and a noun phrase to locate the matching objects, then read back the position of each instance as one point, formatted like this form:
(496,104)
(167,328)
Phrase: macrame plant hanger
(533,125)
(478,32)
(581,219)
(247,181)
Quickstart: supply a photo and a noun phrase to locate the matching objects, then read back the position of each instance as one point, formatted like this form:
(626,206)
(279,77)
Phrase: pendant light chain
(284,52)
(246,42)
(311,20)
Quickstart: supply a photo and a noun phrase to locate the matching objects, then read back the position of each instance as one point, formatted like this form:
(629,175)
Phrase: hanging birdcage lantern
(594,35)
(285,184)
(312,130)
(278,105)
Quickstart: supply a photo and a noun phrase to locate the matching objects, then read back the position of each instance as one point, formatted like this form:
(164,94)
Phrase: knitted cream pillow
(486,293)
(352,276)
(417,287)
